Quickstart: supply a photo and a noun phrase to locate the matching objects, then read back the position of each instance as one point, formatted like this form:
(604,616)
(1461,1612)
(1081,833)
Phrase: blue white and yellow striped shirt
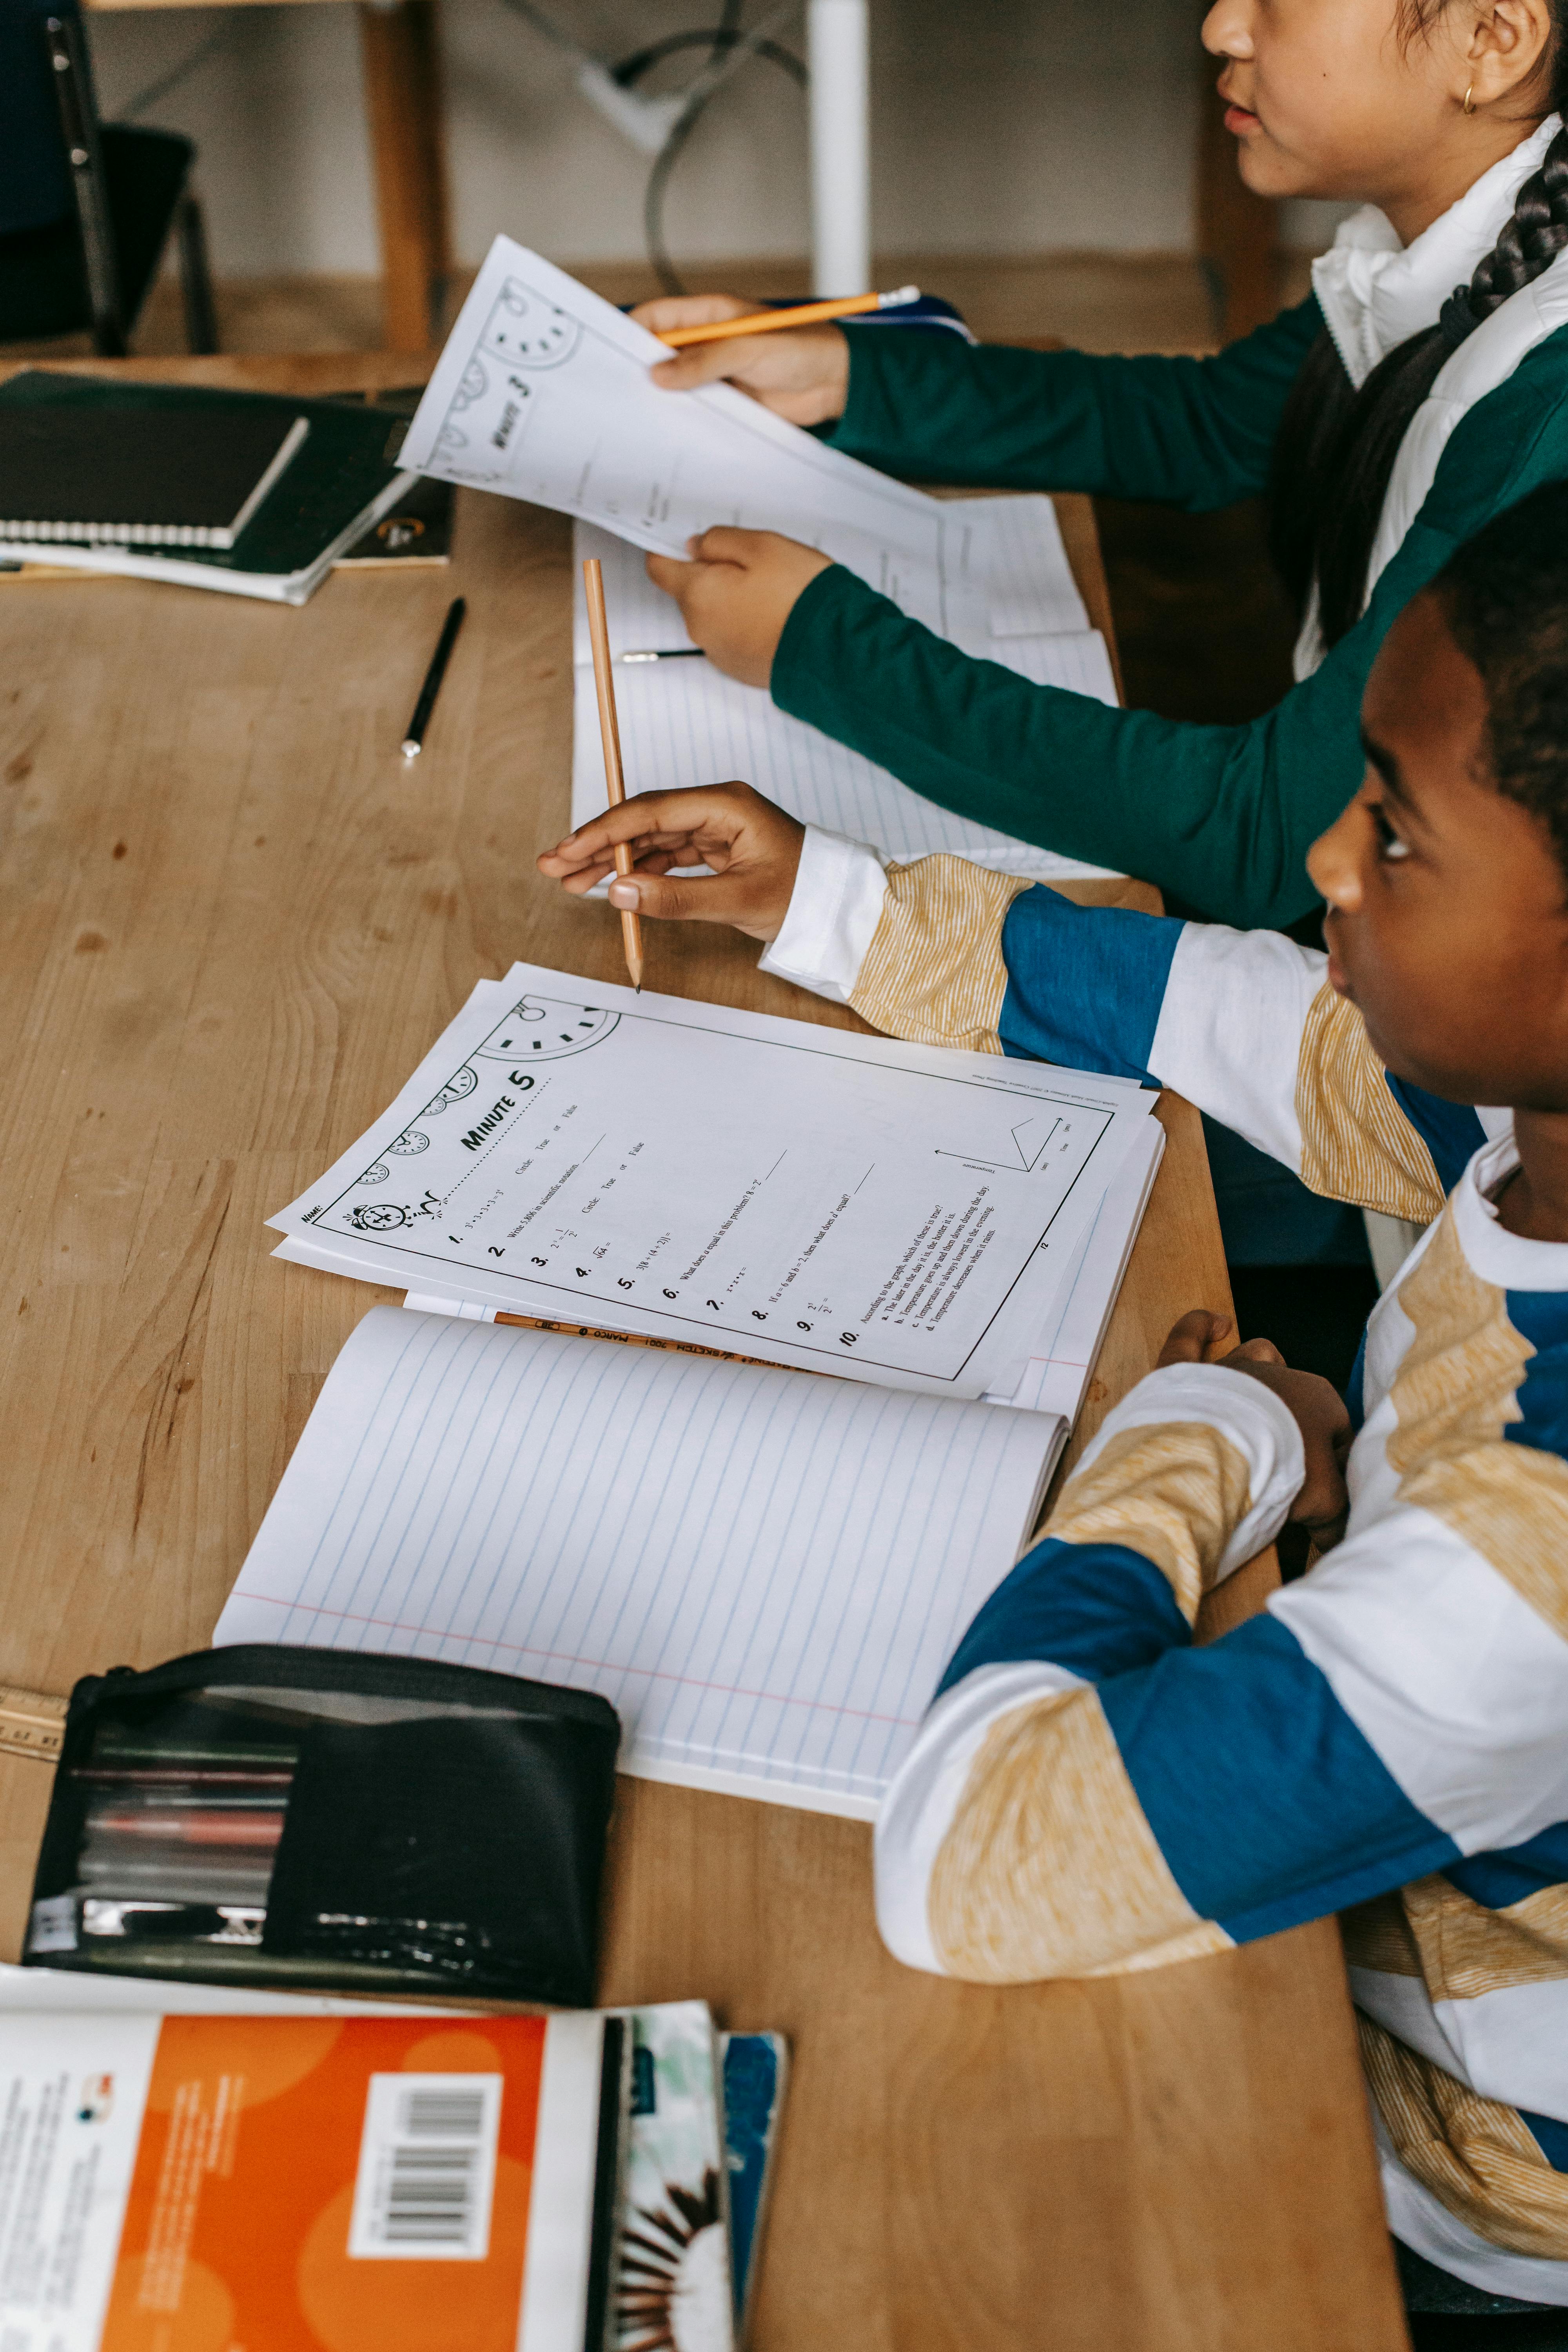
(1389,1738)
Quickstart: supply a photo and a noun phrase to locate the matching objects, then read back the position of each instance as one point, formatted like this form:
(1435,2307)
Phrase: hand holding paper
(735,594)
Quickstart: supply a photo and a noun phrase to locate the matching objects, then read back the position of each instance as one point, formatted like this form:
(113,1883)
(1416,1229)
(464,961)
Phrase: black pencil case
(323,1820)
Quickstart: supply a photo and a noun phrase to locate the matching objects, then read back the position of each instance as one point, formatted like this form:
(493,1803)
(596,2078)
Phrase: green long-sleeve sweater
(1219,816)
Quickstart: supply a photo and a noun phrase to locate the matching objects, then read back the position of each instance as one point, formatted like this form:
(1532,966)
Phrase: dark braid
(1336,447)
(1506,597)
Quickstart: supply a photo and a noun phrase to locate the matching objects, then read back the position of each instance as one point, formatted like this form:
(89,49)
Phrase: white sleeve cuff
(1263,1430)
(833,916)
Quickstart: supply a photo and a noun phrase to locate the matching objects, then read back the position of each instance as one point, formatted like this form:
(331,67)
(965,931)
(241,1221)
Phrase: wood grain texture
(232,919)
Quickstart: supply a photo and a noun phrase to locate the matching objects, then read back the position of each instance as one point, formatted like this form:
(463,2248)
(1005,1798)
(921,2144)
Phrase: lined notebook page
(765,1572)
(683,722)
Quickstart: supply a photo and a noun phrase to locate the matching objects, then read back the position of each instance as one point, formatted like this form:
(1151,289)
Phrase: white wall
(1001,126)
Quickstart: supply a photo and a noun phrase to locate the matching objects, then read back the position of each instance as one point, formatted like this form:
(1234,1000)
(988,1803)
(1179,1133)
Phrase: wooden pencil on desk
(609,729)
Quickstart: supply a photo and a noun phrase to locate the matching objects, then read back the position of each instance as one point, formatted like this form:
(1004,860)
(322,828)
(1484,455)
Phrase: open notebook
(683,722)
(764,1572)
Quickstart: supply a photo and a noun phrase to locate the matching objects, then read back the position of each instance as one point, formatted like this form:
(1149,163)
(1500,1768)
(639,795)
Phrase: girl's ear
(1509,43)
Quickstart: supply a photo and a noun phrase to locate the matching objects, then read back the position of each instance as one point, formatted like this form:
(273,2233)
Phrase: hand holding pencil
(802,374)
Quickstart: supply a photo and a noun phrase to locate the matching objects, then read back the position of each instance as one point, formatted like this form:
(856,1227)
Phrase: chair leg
(196,278)
(79,125)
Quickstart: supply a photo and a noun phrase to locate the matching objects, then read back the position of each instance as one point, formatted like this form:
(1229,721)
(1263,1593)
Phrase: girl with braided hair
(1421,389)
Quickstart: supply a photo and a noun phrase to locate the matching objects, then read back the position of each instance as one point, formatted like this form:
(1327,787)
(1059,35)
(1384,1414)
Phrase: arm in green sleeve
(1220,817)
(1196,433)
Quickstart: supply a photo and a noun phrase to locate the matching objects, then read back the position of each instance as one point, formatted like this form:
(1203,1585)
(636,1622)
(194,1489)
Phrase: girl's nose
(1227,29)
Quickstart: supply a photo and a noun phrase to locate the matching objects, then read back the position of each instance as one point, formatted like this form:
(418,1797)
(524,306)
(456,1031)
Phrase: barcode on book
(427,2168)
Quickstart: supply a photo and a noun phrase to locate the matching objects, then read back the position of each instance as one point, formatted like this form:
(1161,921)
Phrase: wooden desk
(233,920)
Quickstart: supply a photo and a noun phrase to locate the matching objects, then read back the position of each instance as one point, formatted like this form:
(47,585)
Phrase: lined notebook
(764,1572)
(683,722)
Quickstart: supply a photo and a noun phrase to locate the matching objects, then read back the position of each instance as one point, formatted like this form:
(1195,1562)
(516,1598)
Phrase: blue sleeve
(1268,1801)
(1085,985)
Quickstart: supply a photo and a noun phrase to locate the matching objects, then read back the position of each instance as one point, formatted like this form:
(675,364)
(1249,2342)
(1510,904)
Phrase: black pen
(413,742)
(664,653)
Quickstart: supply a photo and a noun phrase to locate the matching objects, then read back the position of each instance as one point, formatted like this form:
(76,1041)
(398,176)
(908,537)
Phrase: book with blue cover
(756,2070)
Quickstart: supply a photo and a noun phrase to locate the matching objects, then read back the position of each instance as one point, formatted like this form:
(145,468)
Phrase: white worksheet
(684,722)
(543,393)
(773,1188)
(764,1574)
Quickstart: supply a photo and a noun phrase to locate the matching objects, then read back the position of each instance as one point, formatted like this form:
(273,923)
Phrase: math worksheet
(769,1188)
(543,393)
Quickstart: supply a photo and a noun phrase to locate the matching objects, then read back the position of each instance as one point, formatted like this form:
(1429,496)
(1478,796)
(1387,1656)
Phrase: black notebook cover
(117,469)
(343,465)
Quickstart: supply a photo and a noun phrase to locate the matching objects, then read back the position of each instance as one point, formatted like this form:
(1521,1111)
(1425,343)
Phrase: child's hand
(753,848)
(1317,1405)
(736,593)
(801,373)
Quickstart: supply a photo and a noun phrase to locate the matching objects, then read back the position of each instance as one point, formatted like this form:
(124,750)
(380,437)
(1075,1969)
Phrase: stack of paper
(680,1172)
(543,393)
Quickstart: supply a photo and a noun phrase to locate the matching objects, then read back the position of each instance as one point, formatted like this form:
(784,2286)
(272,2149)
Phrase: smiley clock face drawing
(544,1029)
(527,331)
(378,1217)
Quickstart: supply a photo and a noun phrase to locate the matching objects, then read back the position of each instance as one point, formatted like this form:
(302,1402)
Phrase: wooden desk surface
(232,921)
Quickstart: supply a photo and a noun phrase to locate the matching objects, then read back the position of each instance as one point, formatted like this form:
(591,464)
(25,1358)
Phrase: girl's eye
(1390,847)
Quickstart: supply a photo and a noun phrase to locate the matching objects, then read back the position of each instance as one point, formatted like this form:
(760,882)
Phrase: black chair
(86,208)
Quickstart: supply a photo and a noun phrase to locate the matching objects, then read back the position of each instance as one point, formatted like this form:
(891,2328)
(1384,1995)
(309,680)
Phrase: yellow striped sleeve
(1456,1396)
(933,971)
(1477,2157)
(1049,1867)
(1175,1494)
(1467,1950)
(1356,1143)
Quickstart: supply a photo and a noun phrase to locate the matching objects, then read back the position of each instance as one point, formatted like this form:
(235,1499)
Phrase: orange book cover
(310,2184)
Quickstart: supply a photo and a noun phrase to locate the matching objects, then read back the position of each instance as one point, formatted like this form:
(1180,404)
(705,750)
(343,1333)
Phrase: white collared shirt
(1374,293)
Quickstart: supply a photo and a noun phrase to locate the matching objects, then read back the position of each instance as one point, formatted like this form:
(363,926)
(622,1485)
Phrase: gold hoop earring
(1470,100)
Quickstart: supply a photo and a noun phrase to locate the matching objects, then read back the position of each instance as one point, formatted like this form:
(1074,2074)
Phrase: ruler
(32,1723)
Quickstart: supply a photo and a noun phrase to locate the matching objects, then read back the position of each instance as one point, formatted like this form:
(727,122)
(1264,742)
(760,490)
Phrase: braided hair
(1505,596)
(1336,446)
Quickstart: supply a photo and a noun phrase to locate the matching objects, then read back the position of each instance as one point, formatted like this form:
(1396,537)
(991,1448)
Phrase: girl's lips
(1336,976)
(1240,120)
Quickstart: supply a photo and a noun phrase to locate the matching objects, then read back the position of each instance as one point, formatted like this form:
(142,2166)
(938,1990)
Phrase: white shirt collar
(1374,292)
(1498,1256)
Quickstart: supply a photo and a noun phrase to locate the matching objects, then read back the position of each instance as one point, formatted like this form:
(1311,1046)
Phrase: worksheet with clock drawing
(772,1187)
(543,393)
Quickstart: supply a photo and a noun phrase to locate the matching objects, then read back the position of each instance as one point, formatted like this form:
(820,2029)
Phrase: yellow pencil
(803,314)
(610,733)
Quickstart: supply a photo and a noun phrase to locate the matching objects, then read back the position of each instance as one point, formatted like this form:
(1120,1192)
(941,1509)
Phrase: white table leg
(839,44)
